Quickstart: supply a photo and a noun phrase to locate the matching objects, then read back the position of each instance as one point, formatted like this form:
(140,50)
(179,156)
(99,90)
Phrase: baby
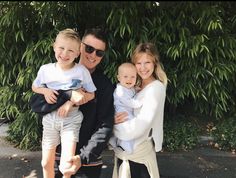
(124,100)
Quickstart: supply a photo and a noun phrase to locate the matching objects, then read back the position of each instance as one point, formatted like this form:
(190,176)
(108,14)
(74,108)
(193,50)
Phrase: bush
(224,134)
(180,135)
(197,50)
(26,132)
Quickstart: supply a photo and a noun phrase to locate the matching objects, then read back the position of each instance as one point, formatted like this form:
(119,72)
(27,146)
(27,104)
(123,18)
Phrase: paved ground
(199,163)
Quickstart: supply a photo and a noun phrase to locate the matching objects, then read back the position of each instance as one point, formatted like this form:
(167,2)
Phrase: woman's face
(145,66)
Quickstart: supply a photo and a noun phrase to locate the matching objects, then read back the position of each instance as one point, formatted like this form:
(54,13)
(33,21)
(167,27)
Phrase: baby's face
(127,77)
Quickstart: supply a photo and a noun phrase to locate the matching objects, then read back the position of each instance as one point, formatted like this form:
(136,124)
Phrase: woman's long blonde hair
(150,49)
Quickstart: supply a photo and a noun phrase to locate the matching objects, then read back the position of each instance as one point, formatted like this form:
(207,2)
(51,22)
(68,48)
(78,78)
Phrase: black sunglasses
(89,49)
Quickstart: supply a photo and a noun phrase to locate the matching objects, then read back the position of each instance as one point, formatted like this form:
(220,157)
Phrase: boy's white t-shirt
(55,78)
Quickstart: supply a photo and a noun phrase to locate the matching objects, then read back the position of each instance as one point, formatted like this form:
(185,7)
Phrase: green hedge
(196,40)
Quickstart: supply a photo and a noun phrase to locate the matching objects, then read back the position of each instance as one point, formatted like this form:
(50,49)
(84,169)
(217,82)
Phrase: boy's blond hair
(70,33)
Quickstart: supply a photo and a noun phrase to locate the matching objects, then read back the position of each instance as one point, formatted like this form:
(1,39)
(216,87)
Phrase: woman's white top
(148,117)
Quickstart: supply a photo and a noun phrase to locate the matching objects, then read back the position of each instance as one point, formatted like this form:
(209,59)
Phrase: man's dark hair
(99,32)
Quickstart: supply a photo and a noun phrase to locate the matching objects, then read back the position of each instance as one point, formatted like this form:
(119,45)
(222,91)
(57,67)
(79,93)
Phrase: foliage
(197,48)
(26,128)
(180,134)
(196,41)
(224,134)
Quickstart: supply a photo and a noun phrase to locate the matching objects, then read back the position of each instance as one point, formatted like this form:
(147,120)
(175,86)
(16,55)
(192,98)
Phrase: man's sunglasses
(89,49)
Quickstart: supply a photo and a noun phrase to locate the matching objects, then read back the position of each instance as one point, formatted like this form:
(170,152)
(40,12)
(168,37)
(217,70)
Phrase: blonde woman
(146,130)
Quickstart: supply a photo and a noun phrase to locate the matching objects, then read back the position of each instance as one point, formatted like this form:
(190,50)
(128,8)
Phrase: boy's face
(66,50)
(127,77)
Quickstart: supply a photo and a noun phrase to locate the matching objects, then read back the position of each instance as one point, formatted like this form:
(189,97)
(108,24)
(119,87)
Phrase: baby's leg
(67,151)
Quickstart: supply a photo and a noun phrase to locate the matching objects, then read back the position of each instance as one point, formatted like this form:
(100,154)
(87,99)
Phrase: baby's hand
(64,109)
(120,117)
(137,88)
(50,95)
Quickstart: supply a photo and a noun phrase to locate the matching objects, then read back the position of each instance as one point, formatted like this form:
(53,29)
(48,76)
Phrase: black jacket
(39,105)
(98,121)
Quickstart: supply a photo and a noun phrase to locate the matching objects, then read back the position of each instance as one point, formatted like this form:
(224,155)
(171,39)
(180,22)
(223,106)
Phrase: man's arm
(105,120)
(80,96)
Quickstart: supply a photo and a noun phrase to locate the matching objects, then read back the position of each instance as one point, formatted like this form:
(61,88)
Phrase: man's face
(91,57)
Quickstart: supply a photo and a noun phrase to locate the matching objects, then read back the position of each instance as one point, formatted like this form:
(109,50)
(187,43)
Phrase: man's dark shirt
(98,120)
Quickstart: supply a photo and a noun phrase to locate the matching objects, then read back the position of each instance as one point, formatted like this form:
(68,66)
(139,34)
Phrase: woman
(146,129)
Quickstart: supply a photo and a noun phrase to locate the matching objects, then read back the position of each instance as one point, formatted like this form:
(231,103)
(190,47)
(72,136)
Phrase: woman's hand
(121,117)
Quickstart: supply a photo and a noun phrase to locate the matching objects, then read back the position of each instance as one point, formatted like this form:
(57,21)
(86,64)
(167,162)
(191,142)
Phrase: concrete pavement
(203,162)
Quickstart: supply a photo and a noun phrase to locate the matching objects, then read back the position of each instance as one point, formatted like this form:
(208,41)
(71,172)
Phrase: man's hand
(79,97)
(64,109)
(75,165)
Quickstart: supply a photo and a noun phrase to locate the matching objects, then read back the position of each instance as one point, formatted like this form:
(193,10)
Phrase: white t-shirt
(55,78)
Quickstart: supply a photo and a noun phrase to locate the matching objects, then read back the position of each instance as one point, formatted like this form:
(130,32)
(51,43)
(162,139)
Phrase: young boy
(62,123)
(124,99)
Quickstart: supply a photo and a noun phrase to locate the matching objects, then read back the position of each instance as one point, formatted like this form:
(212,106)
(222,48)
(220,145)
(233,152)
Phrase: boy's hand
(50,95)
(64,109)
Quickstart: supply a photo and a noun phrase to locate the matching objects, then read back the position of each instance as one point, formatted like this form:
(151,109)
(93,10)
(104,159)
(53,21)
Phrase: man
(98,121)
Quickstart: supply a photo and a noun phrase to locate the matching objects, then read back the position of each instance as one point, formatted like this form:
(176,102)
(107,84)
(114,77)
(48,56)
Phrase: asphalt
(202,162)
